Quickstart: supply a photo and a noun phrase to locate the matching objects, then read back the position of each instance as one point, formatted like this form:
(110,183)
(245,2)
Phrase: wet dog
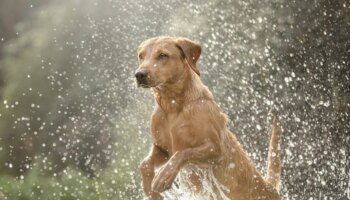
(188,127)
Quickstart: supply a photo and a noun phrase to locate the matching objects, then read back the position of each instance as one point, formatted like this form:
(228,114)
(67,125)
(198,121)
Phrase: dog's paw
(164,179)
(156,196)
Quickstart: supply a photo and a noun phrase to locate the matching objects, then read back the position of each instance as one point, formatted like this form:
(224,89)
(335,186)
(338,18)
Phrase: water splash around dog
(183,189)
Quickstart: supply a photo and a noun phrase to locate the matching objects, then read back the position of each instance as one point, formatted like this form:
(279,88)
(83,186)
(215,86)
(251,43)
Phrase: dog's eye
(140,57)
(162,56)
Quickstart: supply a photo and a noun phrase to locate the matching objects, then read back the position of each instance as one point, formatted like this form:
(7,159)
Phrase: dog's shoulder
(204,111)
(202,106)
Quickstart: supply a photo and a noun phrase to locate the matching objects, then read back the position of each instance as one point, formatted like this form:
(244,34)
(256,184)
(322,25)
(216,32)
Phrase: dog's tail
(274,160)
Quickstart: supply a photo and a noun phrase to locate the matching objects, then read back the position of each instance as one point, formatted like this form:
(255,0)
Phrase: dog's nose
(141,76)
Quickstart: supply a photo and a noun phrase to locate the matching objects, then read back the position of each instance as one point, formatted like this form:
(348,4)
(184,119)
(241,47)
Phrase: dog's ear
(191,50)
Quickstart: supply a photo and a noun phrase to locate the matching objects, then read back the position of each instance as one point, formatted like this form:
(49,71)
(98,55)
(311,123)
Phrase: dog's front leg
(147,167)
(205,153)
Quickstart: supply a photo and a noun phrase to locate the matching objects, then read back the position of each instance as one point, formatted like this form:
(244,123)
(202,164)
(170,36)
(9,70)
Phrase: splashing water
(183,188)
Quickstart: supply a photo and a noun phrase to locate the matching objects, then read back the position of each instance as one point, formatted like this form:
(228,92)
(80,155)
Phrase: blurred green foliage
(72,184)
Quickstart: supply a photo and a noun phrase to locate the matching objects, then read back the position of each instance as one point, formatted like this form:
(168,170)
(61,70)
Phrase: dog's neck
(188,88)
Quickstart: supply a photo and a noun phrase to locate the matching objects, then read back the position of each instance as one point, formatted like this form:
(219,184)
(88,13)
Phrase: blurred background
(73,124)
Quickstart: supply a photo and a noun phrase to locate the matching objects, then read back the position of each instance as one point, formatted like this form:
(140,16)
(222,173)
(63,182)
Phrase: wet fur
(188,128)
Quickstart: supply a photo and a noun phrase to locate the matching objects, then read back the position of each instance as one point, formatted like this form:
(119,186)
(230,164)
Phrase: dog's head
(163,60)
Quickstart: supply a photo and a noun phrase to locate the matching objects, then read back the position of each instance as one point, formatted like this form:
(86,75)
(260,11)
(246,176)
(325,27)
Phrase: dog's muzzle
(141,77)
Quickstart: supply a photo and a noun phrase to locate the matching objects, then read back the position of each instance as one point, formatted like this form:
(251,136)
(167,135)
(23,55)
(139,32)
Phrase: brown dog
(188,127)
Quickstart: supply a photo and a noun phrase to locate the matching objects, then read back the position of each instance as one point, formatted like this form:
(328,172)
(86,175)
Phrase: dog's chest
(161,126)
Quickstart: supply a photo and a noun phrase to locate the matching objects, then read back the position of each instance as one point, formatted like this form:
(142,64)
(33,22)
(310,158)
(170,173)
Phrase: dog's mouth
(147,84)
(142,85)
